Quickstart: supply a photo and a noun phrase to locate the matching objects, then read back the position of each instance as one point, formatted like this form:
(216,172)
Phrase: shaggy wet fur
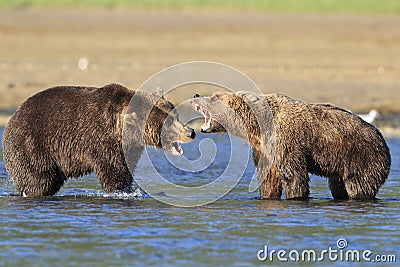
(303,138)
(69,131)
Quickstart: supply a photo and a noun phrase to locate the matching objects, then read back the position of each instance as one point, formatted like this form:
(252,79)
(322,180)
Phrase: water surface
(82,226)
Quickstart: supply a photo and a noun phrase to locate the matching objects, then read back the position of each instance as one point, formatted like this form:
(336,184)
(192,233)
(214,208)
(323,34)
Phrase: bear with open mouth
(290,139)
(69,131)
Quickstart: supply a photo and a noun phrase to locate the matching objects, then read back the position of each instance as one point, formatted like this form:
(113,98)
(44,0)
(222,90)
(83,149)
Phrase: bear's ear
(158,92)
(217,95)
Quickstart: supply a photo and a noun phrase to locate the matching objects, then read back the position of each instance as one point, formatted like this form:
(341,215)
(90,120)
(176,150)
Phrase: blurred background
(343,52)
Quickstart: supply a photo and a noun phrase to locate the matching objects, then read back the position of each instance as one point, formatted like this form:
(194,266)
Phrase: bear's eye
(215,97)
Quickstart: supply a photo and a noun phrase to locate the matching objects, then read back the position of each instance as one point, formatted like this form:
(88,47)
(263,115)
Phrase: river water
(83,226)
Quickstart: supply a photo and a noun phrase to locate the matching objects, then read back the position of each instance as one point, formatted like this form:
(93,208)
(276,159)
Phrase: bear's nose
(195,95)
(190,133)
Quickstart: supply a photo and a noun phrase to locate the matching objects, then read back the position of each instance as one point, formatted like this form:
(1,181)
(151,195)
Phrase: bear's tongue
(206,114)
(207,120)
(176,149)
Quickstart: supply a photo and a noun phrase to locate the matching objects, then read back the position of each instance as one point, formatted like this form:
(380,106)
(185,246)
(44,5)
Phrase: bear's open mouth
(176,149)
(206,114)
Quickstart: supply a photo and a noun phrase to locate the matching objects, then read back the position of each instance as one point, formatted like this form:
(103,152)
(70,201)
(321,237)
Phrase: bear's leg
(269,184)
(337,187)
(114,179)
(296,186)
(358,189)
(43,183)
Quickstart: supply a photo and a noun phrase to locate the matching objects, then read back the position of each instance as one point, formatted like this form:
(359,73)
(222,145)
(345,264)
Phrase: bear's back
(68,119)
(327,132)
(70,104)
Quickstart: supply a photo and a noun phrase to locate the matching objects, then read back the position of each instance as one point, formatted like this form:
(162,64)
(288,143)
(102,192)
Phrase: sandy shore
(349,60)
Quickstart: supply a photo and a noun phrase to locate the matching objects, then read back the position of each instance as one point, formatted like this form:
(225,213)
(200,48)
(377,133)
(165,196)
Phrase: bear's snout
(190,133)
(186,135)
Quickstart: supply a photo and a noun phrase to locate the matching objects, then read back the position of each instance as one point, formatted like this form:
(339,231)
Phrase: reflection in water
(81,226)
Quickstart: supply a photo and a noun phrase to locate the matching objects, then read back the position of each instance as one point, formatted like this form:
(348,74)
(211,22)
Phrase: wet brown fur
(69,131)
(309,138)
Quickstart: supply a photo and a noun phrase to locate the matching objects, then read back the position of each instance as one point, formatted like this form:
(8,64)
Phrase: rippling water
(82,226)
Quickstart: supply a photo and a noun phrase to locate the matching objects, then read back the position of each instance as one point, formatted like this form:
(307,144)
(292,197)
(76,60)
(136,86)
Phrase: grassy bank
(285,6)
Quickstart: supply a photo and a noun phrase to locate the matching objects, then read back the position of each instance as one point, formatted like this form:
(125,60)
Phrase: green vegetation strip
(284,6)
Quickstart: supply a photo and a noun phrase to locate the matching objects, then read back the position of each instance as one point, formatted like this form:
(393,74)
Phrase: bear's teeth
(176,149)
(206,114)
(195,106)
(207,119)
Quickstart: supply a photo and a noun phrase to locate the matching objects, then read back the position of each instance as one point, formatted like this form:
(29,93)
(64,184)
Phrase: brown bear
(69,131)
(320,139)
